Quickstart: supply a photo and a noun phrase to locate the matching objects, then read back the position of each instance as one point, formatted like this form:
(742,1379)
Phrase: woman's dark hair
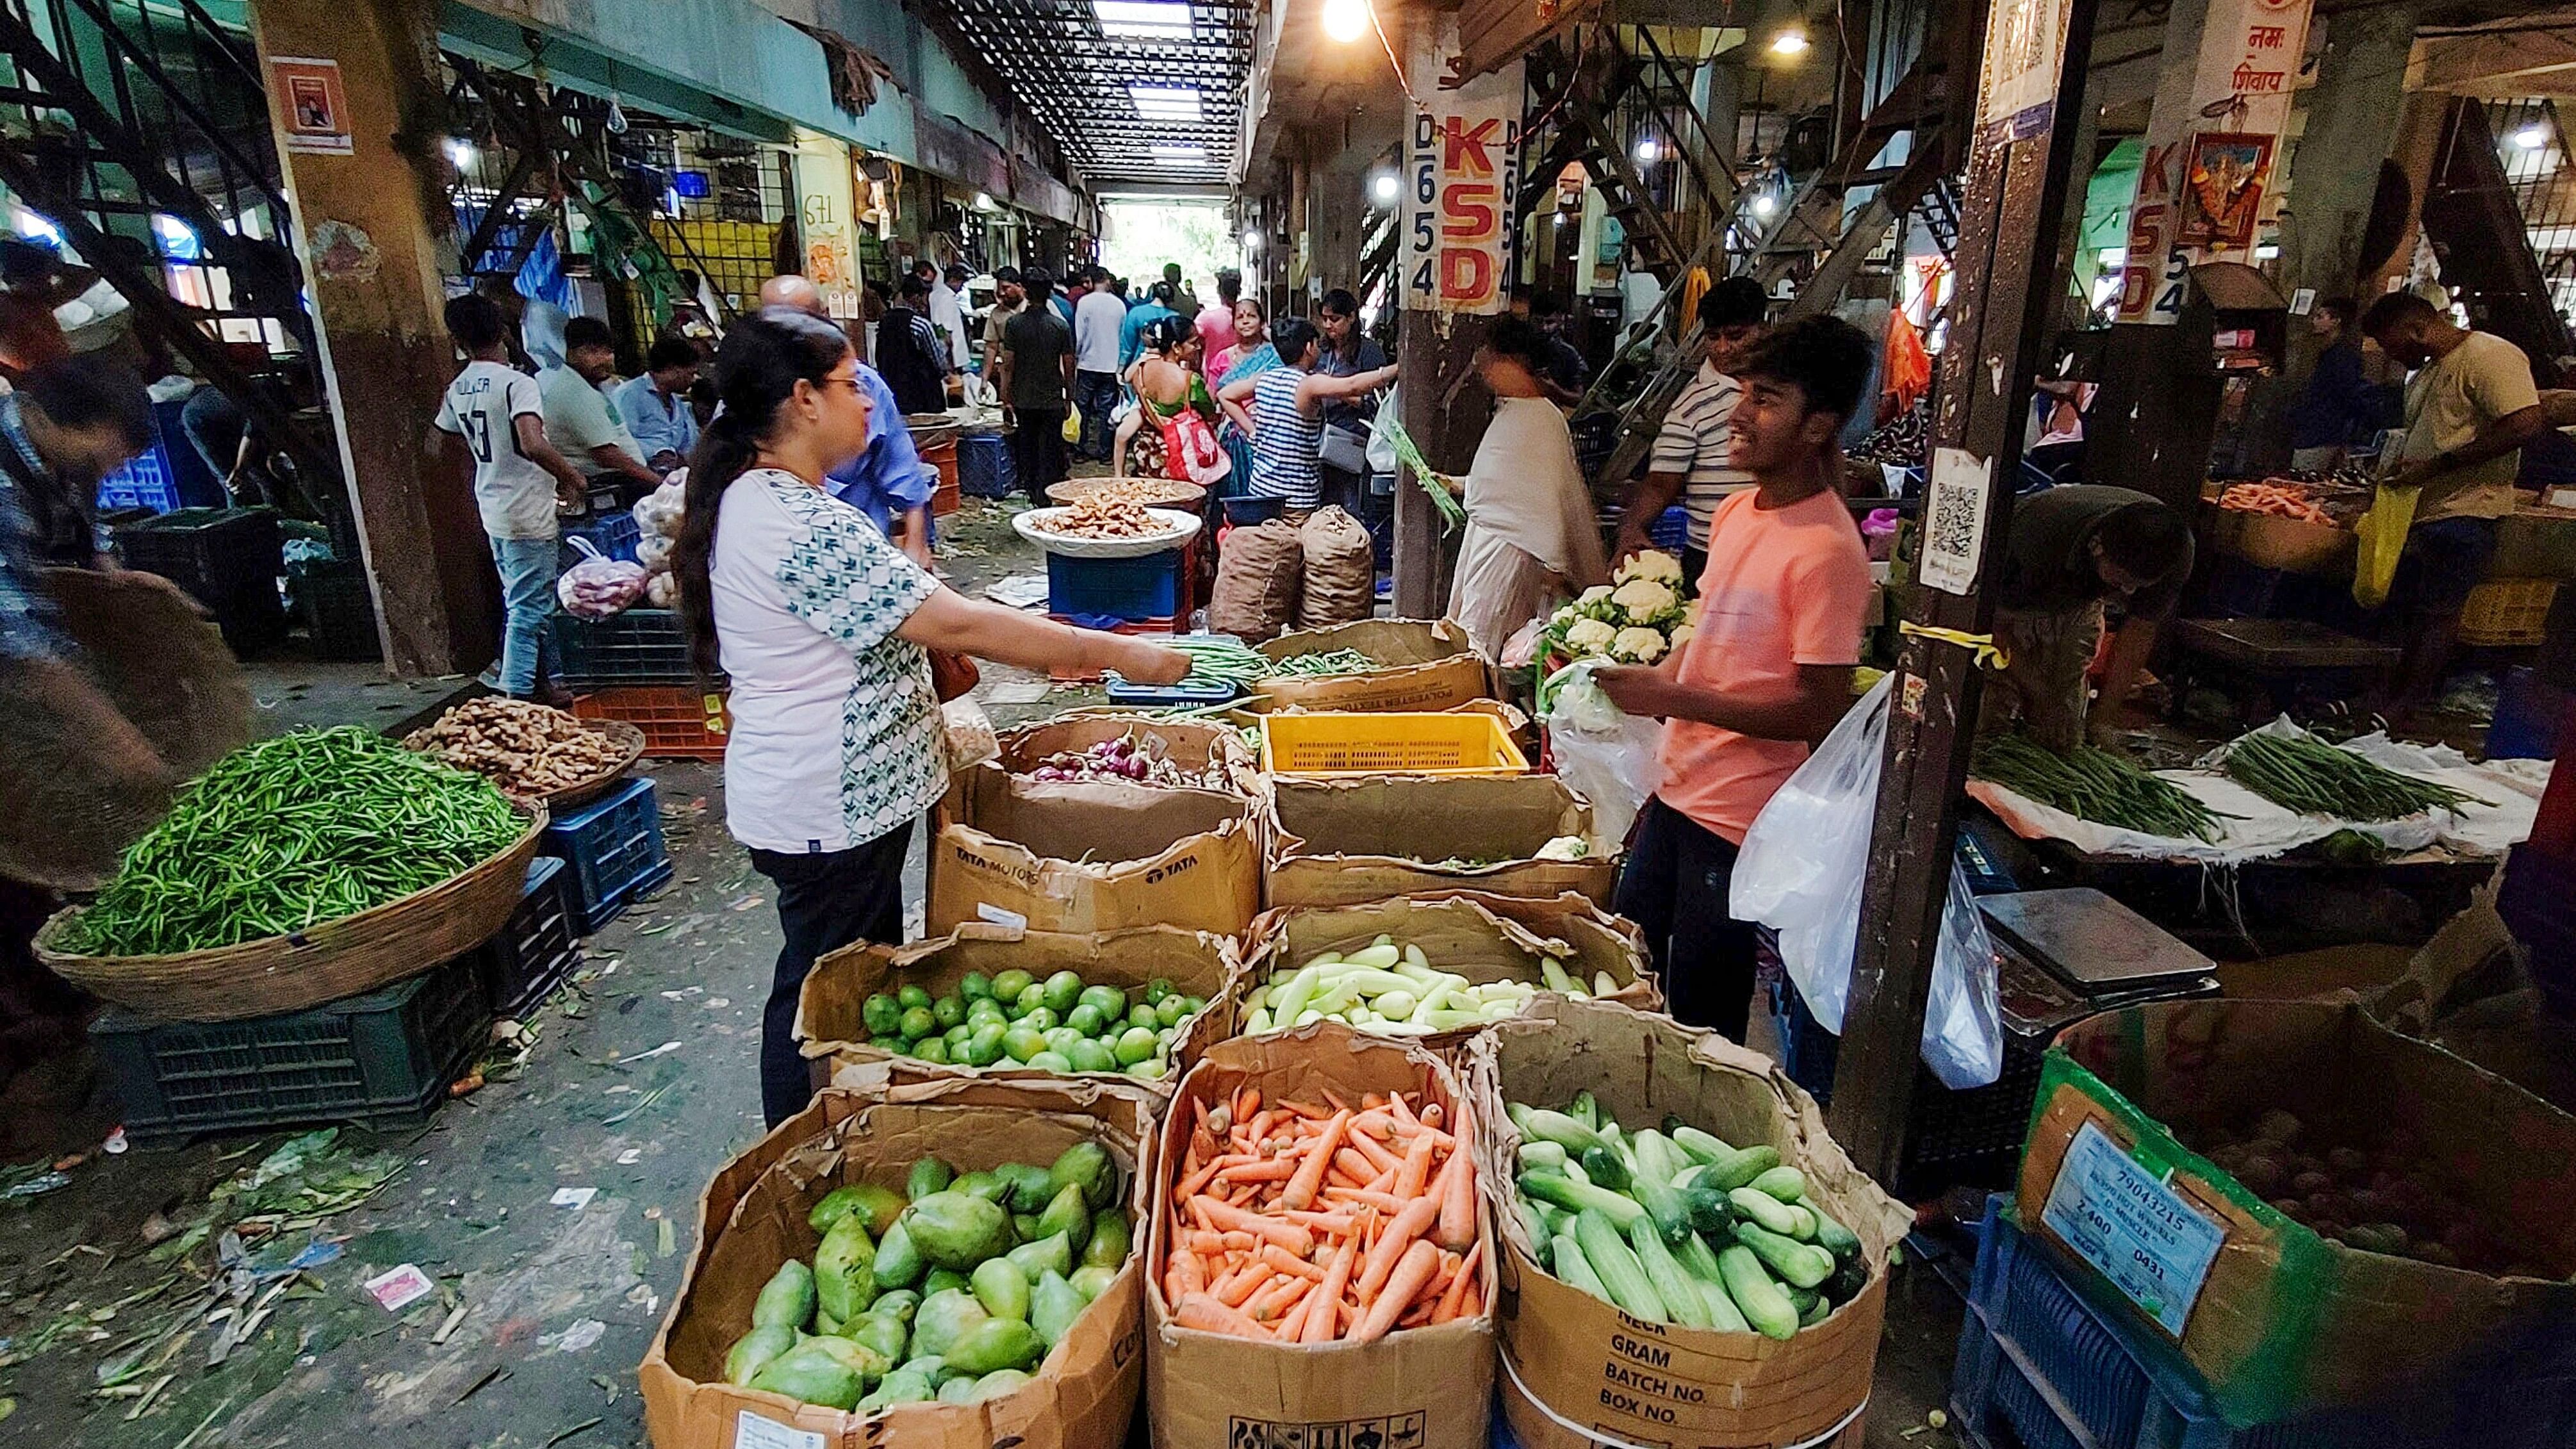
(1166,333)
(1292,336)
(757,368)
(1339,302)
(1260,308)
(1827,357)
(1519,339)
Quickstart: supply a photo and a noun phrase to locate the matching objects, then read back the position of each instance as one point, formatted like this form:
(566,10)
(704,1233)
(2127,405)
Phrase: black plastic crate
(228,559)
(382,1059)
(612,853)
(338,612)
(639,646)
(538,951)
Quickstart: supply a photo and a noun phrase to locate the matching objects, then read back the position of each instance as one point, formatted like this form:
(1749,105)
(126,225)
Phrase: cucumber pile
(1011,1018)
(1675,1226)
(952,1289)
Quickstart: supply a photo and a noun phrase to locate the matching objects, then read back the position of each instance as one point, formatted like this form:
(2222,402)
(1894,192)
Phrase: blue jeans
(1095,394)
(528,569)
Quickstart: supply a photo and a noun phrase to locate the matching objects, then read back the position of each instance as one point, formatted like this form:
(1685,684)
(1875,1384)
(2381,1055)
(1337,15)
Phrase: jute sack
(1341,570)
(1258,577)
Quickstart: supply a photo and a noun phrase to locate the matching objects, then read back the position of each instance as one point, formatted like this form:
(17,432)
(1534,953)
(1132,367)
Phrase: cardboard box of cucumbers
(1010,1003)
(1687,1256)
(938,1265)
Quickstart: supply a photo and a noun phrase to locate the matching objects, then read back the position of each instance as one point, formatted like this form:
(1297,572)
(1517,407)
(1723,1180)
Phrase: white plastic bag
(599,586)
(1607,757)
(1800,873)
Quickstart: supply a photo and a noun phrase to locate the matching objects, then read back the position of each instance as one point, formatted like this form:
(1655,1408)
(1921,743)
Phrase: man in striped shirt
(1689,459)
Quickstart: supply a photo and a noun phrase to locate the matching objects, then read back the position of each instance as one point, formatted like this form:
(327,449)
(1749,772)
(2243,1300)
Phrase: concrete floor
(639,1084)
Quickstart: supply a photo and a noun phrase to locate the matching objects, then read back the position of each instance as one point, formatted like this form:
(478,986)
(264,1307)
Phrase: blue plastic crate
(1122,588)
(2042,1367)
(2529,713)
(984,466)
(612,849)
(615,534)
(538,951)
(146,482)
(1671,531)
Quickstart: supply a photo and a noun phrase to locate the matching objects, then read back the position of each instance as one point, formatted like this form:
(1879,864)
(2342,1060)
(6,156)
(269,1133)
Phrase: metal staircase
(140,132)
(1587,87)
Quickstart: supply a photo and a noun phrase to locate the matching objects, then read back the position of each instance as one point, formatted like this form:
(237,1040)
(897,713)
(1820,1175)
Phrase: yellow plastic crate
(2507,613)
(1328,745)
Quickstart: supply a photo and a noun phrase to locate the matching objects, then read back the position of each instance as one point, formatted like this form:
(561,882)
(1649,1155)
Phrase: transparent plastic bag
(599,586)
(1800,873)
(1602,754)
(969,733)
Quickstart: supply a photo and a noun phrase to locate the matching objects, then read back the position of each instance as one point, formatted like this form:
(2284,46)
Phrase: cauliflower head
(1592,595)
(1641,646)
(1652,564)
(1586,637)
(1682,633)
(1644,600)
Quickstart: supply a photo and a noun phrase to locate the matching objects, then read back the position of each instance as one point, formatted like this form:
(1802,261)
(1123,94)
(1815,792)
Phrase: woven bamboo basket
(630,748)
(353,954)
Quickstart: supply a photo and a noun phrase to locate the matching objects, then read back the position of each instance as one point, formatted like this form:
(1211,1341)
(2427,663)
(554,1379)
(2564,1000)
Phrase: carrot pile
(1294,1223)
(2286,500)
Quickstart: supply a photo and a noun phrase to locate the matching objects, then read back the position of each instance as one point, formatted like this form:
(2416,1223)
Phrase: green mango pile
(1056,1025)
(950,1290)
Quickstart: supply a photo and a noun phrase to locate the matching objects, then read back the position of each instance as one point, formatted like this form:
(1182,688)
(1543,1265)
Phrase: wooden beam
(2007,259)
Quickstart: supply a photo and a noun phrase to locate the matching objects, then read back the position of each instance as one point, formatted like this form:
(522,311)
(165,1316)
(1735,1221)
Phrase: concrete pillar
(2353,114)
(368,229)
(2416,151)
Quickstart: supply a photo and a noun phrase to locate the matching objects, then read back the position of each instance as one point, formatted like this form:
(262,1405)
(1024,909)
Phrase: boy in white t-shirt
(518,478)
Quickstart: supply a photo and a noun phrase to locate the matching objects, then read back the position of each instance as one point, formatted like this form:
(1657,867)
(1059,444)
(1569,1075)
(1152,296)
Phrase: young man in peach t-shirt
(1767,674)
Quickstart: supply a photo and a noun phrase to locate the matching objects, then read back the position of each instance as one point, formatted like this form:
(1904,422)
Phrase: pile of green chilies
(2096,785)
(1331,661)
(287,833)
(2299,772)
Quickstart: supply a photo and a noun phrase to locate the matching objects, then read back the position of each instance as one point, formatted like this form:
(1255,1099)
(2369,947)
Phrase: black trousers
(825,902)
(1037,450)
(1675,886)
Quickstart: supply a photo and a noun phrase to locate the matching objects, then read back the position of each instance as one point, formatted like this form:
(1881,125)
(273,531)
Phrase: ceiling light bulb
(2532,137)
(984,201)
(1251,239)
(1789,42)
(460,152)
(1385,186)
(1763,205)
(1647,151)
(1346,20)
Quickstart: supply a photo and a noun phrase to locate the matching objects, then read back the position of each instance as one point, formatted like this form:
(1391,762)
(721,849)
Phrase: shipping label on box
(2138,1232)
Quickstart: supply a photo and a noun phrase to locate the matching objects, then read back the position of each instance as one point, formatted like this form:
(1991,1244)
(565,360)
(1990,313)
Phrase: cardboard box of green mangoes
(941,1264)
(1003,1002)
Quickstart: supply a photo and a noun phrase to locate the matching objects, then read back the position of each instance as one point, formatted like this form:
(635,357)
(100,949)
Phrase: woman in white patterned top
(822,627)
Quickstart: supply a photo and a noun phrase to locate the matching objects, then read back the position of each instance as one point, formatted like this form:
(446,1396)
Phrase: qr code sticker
(1954,520)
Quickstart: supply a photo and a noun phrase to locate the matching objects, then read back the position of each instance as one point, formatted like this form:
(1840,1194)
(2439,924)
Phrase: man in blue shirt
(656,405)
(1131,333)
(2339,406)
(887,481)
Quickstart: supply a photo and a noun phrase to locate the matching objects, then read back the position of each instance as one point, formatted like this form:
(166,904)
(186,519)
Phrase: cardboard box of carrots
(1319,1253)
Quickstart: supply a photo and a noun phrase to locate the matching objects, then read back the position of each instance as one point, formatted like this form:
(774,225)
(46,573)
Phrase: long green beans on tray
(2096,785)
(2300,772)
(287,833)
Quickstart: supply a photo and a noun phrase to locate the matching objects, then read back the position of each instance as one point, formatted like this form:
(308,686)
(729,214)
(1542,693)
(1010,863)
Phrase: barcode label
(1954,520)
